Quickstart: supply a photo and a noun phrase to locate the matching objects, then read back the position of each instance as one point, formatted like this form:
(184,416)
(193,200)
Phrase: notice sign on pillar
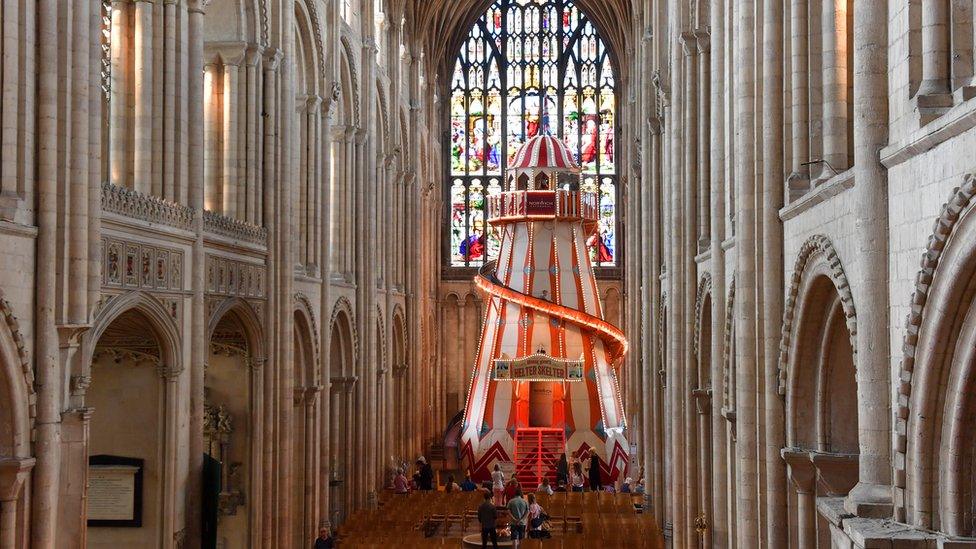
(115,491)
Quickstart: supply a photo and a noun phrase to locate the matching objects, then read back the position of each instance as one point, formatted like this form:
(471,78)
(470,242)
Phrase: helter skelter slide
(544,380)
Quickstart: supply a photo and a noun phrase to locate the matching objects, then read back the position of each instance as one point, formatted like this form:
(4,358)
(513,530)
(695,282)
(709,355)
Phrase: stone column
(170,376)
(935,47)
(803,476)
(118,172)
(720,88)
(211,137)
(48,375)
(744,149)
(311,401)
(199,344)
(13,474)
(799,92)
(771,279)
(835,87)
(77,231)
(872,495)
(251,213)
(702,38)
(142,100)
(272,57)
(230,135)
(169,189)
(684,282)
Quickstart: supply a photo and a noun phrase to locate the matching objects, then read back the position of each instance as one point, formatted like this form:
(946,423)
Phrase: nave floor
(441,519)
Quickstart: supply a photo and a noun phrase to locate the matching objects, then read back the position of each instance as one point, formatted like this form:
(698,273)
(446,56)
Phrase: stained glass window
(529,67)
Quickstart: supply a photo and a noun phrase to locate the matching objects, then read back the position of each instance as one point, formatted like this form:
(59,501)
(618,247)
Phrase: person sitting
(400,483)
(640,487)
(325,539)
(576,478)
(451,486)
(625,488)
(545,488)
(468,485)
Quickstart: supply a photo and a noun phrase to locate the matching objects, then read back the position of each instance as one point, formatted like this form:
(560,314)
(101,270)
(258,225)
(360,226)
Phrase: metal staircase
(537,452)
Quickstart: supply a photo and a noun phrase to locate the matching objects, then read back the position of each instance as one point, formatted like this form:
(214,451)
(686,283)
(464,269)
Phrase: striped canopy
(543,151)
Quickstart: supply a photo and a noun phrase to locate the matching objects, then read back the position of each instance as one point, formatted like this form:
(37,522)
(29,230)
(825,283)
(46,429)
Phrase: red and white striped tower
(544,381)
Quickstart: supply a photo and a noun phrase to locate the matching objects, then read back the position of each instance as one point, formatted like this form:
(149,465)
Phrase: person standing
(519,510)
(562,471)
(487,517)
(425,475)
(594,471)
(498,485)
(400,483)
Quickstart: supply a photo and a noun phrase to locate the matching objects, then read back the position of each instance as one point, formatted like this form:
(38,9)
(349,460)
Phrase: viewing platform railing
(563,205)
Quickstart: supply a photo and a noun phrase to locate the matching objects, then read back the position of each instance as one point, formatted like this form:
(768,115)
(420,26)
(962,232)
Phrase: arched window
(529,67)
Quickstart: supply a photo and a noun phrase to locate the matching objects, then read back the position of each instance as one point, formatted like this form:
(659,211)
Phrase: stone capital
(197,6)
(703,38)
(703,400)
(168,372)
(272,58)
(252,55)
(370,46)
(800,468)
(13,473)
(689,43)
(226,53)
(837,472)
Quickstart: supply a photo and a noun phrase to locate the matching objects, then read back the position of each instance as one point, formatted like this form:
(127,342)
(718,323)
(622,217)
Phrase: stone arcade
(240,245)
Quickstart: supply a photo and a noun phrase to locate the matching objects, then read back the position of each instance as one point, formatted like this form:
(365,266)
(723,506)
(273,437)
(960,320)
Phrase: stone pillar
(720,88)
(13,474)
(744,149)
(272,57)
(118,173)
(230,136)
(169,189)
(703,42)
(684,282)
(935,47)
(251,212)
(835,87)
(872,496)
(199,344)
(48,375)
(142,100)
(799,92)
(803,476)
(170,523)
(771,279)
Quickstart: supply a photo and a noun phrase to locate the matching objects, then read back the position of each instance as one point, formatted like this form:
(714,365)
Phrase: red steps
(537,452)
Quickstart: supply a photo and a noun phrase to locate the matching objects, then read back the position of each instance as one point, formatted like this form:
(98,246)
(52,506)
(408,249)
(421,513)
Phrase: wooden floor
(439,519)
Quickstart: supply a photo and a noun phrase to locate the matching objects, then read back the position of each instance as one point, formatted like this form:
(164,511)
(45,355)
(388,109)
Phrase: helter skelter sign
(538,367)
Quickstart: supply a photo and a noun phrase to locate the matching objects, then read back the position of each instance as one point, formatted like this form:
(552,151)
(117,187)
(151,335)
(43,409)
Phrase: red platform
(537,452)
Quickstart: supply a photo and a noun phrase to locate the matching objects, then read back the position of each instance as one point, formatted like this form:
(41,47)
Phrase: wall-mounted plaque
(115,491)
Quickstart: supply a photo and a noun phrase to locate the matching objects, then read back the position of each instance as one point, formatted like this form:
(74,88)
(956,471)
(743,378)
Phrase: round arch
(16,388)
(934,480)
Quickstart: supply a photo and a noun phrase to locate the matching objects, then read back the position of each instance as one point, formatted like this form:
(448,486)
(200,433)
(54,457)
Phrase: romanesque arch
(342,380)
(234,418)
(133,355)
(817,371)
(16,421)
(304,425)
(937,407)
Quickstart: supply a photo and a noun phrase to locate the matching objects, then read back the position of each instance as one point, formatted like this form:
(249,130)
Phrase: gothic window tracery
(529,67)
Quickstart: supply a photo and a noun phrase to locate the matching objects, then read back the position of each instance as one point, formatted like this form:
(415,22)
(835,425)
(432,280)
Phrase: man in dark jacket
(325,540)
(487,515)
(425,475)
